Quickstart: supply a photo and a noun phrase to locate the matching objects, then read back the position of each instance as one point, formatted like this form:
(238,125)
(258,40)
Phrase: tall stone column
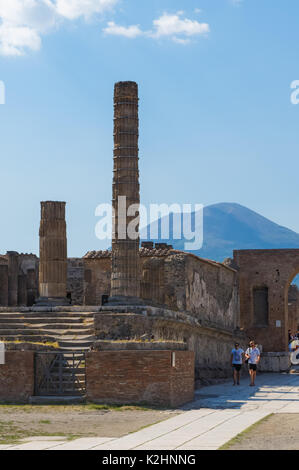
(53,254)
(3,285)
(125,282)
(13,273)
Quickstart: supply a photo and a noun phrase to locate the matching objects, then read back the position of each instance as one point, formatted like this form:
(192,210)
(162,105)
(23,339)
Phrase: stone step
(43,331)
(58,310)
(33,338)
(75,345)
(47,315)
(45,320)
(28,330)
(80,377)
(75,348)
(46,338)
(46,326)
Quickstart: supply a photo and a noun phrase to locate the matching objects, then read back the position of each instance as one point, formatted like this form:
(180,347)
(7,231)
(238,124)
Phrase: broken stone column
(3,285)
(53,254)
(13,273)
(125,282)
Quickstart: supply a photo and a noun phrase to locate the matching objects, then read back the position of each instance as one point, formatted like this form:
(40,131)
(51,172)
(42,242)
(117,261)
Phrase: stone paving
(218,414)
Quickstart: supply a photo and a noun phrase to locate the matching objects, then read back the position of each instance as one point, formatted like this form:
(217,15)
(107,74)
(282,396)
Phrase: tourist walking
(236,360)
(253,355)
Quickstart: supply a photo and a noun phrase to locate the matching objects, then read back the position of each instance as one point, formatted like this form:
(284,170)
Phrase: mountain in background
(230,226)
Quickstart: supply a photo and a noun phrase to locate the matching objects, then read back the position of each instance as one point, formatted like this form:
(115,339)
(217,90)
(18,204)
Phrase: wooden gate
(60,374)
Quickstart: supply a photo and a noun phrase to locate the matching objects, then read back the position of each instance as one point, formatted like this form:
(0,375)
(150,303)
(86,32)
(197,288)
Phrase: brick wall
(274,270)
(17,376)
(140,377)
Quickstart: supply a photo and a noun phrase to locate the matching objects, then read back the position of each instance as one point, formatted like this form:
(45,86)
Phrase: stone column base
(52,301)
(124,300)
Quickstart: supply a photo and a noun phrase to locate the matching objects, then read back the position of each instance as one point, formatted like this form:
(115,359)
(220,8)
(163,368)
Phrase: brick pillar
(13,272)
(22,290)
(125,282)
(53,254)
(3,285)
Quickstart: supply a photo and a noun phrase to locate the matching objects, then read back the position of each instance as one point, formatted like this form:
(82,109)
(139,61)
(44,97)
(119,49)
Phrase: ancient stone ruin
(141,312)
(53,254)
(125,281)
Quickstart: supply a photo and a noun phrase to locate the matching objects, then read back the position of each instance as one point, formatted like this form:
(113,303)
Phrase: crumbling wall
(19,279)
(212,292)
(293,309)
(272,269)
(208,290)
(97,273)
(75,280)
(211,345)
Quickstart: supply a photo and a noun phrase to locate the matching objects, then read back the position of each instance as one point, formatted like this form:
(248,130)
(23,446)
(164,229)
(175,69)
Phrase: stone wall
(293,309)
(274,270)
(75,281)
(180,281)
(212,293)
(211,345)
(97,274)
(160,378)
(274,362)
(19,285)
(17,376)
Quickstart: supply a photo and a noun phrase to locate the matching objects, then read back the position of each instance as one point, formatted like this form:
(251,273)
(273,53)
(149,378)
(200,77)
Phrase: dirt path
(83,421)
(277,432)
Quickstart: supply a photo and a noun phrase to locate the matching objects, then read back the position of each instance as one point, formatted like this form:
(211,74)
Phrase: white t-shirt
(237,356)
(253,353)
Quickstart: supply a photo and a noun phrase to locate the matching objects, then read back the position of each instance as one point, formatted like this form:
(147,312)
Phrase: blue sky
(216,120)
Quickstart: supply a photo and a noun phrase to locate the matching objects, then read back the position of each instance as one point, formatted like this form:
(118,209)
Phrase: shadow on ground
(227,396)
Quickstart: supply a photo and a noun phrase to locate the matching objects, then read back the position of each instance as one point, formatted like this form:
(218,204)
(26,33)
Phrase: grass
(94,406)
(12,434)
(9,407)
(237,439)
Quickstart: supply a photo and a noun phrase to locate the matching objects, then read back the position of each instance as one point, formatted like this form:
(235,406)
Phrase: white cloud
(73,9)
(13,40)
(128,31)
(171,26)
(174,25)
(23,22)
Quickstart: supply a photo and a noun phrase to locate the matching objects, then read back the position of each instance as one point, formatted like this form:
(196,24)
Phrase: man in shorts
(253,355)
(236,360)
